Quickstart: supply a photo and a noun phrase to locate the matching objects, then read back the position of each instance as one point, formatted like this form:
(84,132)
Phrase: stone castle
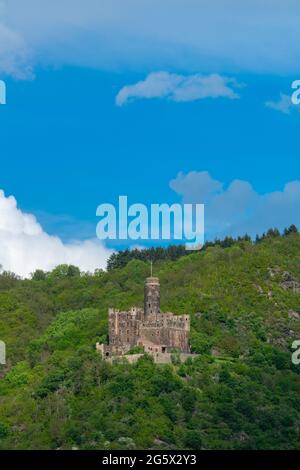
(159,334)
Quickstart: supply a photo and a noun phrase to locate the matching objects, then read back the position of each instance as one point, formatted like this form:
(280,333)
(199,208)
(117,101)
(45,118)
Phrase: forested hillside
(241,392)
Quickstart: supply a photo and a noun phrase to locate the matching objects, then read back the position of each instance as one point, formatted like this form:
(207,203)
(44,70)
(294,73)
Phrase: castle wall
(165,332)
(158,358)
(124,330)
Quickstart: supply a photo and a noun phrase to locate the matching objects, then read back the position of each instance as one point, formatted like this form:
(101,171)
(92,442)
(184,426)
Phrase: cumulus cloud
(238,208)
(185,34)
(178,87)
(283,104)
(25,246)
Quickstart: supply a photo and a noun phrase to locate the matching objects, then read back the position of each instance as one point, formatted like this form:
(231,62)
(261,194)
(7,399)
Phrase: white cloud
(238,208)
(178,87)
(14,54)
(283,104)
(25,246)
(174,34)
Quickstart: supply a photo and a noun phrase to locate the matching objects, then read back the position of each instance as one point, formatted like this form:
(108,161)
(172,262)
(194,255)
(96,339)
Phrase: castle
(159,334)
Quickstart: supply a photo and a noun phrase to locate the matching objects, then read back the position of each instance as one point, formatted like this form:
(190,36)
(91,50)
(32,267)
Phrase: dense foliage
(119,259)
(241,391)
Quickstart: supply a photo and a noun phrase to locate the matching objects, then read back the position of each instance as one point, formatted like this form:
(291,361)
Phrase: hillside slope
(241,392)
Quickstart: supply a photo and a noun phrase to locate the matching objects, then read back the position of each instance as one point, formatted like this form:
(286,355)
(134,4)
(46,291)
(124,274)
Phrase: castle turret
(152,296)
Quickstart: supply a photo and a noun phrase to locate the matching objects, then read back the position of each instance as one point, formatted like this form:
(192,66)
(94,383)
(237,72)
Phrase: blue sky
(66,146)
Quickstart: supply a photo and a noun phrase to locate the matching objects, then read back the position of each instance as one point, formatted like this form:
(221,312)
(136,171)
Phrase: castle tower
(151,296)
